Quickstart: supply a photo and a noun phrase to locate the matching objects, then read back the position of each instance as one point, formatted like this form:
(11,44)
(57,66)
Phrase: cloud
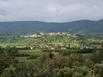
(50,10)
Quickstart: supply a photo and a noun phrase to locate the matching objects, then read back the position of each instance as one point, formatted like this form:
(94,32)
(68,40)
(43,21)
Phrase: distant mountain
(82,26)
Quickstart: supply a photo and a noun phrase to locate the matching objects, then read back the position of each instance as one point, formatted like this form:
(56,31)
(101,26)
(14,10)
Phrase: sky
(50,10)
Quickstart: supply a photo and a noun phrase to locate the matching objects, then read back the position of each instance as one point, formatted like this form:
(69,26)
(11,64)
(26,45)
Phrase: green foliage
(39,62)
(71,72)
(7,57)
(9,72)
(97,56)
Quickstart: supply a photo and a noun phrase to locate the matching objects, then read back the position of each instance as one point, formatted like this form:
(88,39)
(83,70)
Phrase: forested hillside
(82,26)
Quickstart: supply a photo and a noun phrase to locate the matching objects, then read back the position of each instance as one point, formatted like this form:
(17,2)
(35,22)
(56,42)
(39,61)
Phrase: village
(60,46)
(40,34)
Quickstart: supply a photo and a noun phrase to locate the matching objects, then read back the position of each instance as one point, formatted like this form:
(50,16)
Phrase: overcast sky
(50,10)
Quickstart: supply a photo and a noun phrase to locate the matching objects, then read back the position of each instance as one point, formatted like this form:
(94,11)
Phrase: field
(28,55)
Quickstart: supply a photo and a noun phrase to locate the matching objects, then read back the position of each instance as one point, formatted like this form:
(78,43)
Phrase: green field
(30,54)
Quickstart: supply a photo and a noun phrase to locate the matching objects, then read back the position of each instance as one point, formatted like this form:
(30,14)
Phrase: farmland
(51,55)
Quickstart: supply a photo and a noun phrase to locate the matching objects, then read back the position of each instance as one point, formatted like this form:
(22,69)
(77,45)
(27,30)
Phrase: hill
(81,26)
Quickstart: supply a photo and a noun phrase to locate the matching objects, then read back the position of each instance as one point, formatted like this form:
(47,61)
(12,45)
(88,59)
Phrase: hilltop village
(40,34)
(62,41)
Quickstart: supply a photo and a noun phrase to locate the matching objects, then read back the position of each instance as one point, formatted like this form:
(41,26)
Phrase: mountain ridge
(79,26)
